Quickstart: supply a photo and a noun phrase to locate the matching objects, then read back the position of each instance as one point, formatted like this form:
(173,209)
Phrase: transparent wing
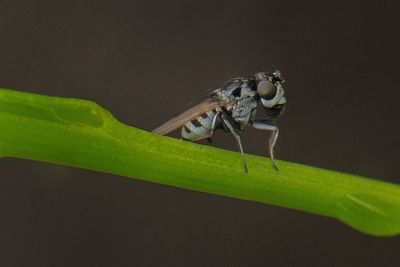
(186,116)
(210,91)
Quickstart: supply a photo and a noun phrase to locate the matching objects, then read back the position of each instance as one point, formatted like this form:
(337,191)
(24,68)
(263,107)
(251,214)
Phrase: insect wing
(186,116)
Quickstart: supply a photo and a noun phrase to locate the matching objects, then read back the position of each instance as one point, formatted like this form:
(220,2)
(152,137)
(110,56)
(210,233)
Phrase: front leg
(272,139)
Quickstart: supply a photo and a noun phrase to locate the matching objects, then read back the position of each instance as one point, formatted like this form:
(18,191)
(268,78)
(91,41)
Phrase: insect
(232,107)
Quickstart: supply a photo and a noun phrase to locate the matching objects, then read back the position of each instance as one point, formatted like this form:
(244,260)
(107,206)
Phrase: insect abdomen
(200,127)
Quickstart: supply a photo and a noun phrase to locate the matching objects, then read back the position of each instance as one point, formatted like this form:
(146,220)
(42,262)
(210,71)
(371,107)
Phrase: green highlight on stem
(80,133)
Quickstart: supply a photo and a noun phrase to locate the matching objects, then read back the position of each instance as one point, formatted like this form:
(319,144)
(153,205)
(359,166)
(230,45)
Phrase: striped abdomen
(200,127)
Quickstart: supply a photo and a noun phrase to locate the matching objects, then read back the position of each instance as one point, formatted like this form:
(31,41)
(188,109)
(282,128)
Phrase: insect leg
(214,125)
(214,122)
(272,139)
(237,136)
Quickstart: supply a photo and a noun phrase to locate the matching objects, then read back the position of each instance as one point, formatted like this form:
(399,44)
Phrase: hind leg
(237,136)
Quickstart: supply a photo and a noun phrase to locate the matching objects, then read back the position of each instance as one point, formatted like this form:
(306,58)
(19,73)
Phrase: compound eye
(266,89)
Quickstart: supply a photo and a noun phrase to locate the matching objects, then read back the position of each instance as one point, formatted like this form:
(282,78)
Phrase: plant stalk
(80,133)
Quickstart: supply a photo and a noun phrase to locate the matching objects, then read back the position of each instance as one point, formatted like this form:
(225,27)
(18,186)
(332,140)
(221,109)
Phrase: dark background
(145,61)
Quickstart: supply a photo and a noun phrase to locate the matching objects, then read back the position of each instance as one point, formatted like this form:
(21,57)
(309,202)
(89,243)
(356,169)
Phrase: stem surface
(80,133)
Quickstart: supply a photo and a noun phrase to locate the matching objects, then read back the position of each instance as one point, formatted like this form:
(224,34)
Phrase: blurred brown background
(145,61)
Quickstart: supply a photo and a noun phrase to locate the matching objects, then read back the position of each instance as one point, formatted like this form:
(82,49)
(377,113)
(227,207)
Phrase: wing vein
(186,116)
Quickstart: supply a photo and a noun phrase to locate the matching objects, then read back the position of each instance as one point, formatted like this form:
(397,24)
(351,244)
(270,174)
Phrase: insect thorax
(238,100)
(242,92)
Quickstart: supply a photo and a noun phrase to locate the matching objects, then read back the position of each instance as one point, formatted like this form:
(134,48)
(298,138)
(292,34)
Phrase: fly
(232,107)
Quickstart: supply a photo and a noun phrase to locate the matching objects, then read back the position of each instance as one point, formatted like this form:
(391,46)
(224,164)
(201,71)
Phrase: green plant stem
(80,133)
